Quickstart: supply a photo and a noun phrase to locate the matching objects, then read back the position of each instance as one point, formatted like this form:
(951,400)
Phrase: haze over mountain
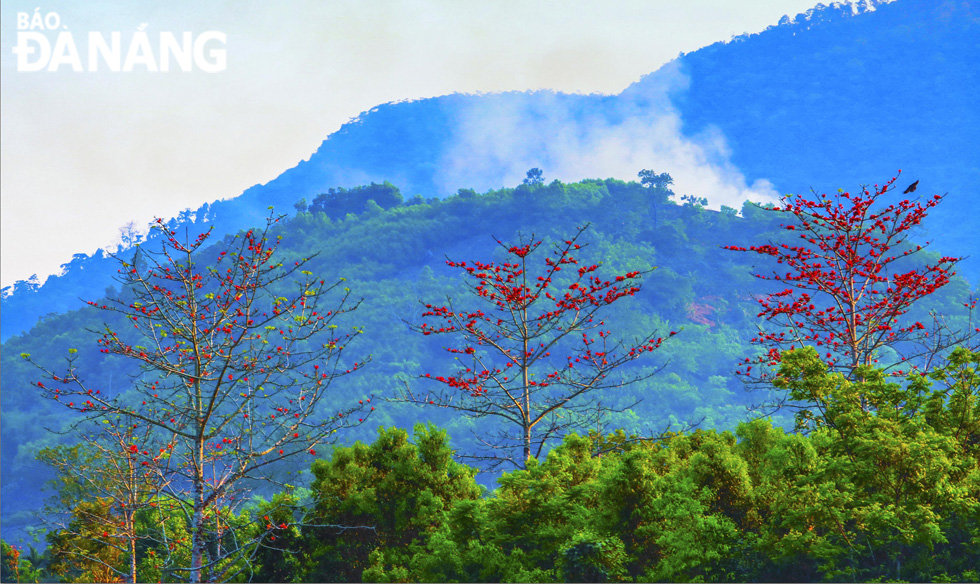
(840,96)
(830,99)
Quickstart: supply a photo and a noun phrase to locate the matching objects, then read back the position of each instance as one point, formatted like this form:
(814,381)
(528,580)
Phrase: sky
(84,152)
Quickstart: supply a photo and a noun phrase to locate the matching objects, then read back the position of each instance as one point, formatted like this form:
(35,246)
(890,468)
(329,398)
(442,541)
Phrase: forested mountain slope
(395,259)
(829,99)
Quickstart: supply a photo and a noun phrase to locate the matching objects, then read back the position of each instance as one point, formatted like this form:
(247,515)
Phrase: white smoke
(573,137)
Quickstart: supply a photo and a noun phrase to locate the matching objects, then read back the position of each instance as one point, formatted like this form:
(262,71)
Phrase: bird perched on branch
(911,188)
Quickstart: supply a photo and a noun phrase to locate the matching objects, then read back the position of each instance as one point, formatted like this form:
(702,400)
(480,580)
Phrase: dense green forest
(690,473)
(888,498)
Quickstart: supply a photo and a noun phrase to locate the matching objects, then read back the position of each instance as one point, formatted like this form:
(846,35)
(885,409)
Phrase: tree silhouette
(535,176)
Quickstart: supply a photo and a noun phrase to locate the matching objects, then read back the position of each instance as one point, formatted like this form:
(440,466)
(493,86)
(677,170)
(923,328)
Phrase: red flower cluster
(849,280)
(526,311)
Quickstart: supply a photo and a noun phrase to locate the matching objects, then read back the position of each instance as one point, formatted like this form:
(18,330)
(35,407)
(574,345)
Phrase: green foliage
(14,567)
(77,552)
(646,512)
(677,505)
(872,496)
(588,557)
(281,536)
(876,496)
(377,505)
(338,202)
(882,486)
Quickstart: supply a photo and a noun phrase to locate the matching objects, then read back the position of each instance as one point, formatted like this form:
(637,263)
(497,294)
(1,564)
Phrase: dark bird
(911,188)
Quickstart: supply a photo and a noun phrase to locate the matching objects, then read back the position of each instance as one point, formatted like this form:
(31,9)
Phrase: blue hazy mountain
(837,97)
(834,98)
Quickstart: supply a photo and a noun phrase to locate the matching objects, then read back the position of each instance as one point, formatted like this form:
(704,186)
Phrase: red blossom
(523,312)
(848,282)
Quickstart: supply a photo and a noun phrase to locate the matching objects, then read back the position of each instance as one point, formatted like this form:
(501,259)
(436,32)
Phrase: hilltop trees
(534,176)
(235,358)
(659,187)
(533,350)
(338,202)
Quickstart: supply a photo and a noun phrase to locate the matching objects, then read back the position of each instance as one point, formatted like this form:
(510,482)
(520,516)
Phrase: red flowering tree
(235,359)
(849,278)
(533,351)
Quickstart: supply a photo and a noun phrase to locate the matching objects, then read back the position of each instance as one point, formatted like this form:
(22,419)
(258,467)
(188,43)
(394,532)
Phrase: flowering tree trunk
(534,353)
(235,359)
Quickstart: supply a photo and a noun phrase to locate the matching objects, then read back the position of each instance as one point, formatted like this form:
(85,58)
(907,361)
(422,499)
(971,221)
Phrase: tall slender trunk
(525,373)
(132,557)
(129,514)
(197,523)
(197,535)
(527,412)
(527,442)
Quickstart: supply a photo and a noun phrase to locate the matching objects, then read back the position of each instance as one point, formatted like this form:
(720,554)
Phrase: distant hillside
(829,99)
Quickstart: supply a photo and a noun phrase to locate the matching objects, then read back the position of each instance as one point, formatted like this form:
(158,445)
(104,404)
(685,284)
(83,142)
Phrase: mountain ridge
(681,119)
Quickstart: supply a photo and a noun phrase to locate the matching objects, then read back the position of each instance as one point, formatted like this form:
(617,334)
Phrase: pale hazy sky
(82,153)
